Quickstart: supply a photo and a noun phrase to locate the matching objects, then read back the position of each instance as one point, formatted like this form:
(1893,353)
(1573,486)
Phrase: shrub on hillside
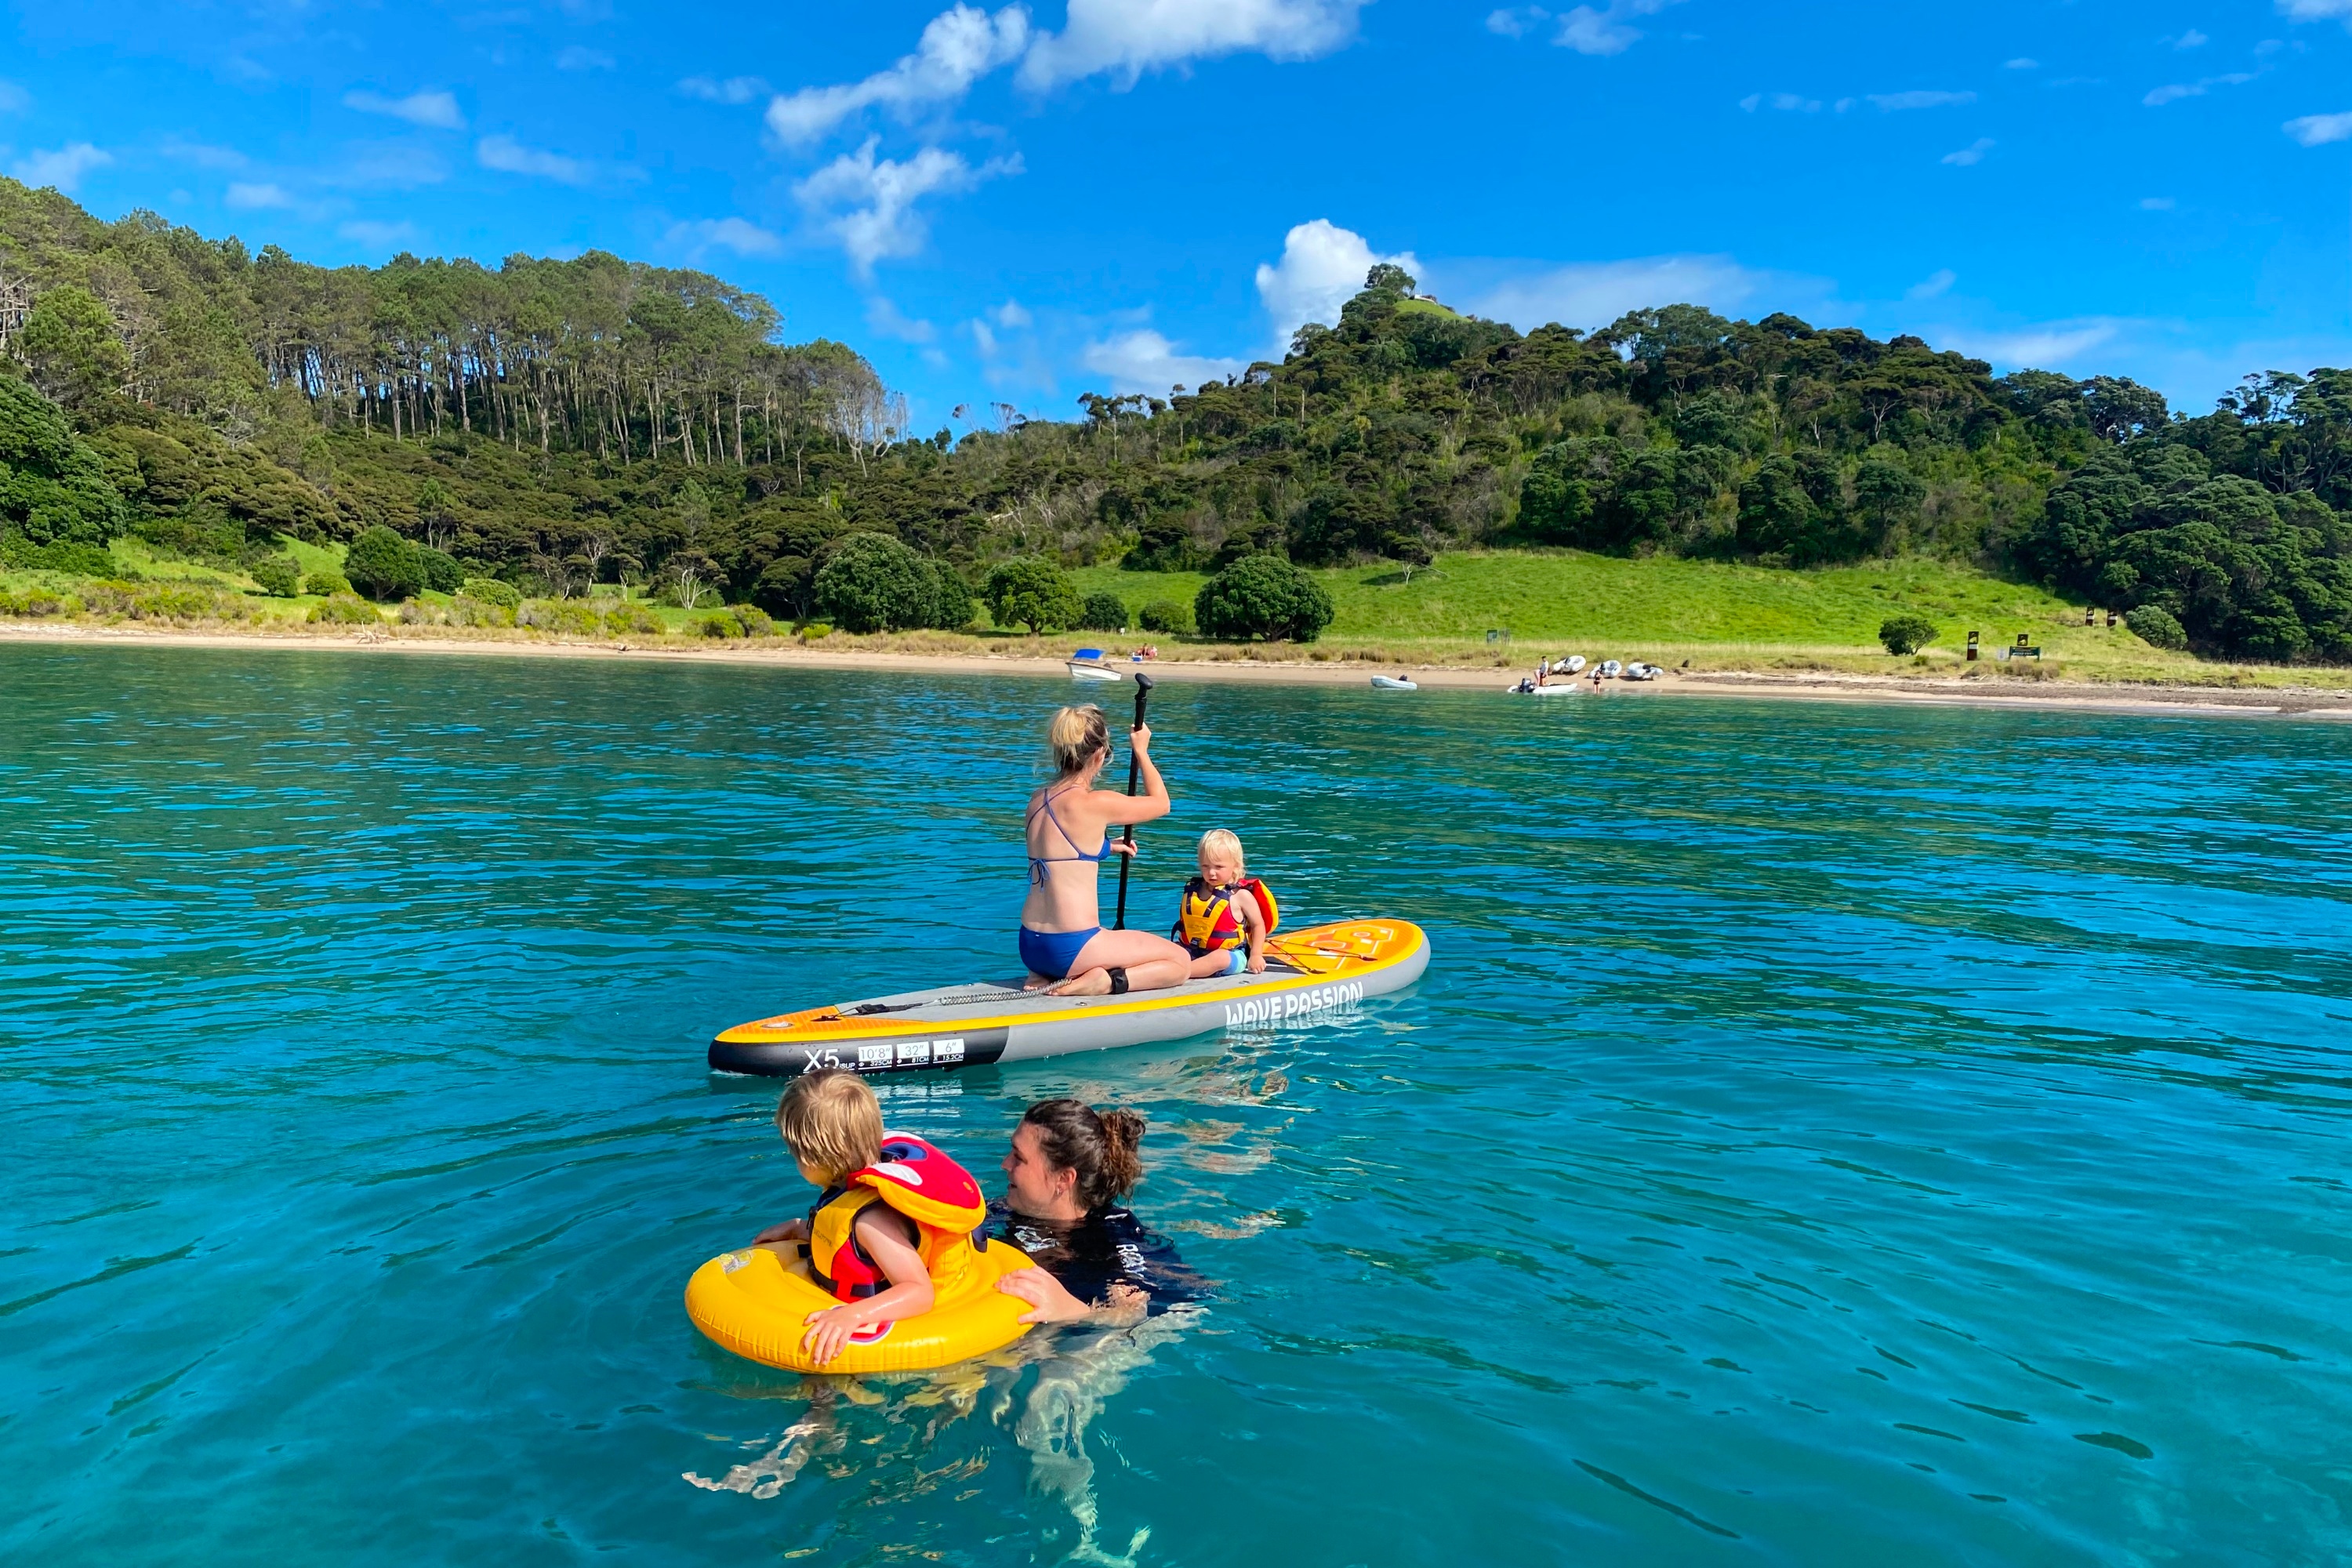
(1102,613)
(491,591)
(874,583)
(631,619)
(1262,596)
(952,606)
(1171,616)
(63,555)
(755,621)
(384,566)
(719,623)
(440,571)
(1030,591)
(326,581)
(53,484)
(345,610)
(2157,627)
(279,576)
(565,618)
(1906,634)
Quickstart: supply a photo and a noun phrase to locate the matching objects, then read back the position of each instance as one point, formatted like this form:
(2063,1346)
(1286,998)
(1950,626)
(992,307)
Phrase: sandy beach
(1984,690)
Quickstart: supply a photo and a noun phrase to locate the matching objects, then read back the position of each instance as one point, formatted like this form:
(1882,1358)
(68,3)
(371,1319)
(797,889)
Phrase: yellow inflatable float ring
(757,1302)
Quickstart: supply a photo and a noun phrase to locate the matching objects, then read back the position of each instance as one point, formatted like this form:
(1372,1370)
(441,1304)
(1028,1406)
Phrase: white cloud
(1515,24)
(580,57)
(1592,294)
(737,235)
(1129,37)
(13,100)
(1143,361)
(1970,155)
(203,154)
(1011,316)
(886,320)
(734,89)
(2318,129)
(2043,347)
(2317,10)
(2192,39)
(958,48)
(378,235)
(62,167)
(867,204)
(2021,63)
(1786,102)
(1891,102)
(390,165)
(2173,91)
(2156,203)
(436,110)
(1322,267)
(255,197)
(1936,282)
(509,156)
(1591,32)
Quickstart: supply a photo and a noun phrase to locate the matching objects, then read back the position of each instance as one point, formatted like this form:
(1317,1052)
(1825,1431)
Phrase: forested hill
(557,422)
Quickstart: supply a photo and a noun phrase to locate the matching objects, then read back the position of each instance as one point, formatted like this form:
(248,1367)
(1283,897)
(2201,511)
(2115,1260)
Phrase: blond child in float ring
(1221,865)
(833,1125)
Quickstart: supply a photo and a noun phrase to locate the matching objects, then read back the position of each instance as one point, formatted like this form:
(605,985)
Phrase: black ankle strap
(1118,981)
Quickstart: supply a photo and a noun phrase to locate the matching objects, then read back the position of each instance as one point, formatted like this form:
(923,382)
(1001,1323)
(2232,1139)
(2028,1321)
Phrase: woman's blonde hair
(1218,841)
(832,1122)
(1075,735)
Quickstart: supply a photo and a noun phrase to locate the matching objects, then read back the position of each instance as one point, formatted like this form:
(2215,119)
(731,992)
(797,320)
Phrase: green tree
(1262,596)
(2155,625)
(382,566)
(1030,591)
(1887,496)
(875,583)
(1102,613)
(53,485)
(1906,634)
(951,606)
(278,575)
(76,355)
(1167,616)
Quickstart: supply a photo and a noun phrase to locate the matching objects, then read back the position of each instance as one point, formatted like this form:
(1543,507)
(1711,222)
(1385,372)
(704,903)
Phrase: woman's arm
(1050,1300)
(1123,810)
(909,1294)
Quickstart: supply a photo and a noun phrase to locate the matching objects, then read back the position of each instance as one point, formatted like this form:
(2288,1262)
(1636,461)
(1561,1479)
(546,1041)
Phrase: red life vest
(916,1179)
(1206,923)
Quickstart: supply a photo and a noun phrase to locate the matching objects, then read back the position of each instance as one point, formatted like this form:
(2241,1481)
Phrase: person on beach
(873,1236)
(1225,914)
(1065,1181)
(1062,937)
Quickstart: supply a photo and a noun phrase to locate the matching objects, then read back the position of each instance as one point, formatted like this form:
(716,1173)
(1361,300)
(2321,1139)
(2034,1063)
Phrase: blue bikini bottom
(1051,952)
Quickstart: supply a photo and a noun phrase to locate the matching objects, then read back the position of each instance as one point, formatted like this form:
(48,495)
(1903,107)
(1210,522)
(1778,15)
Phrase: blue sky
(1017,204)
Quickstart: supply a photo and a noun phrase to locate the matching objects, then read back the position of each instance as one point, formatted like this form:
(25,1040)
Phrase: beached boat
(1610,669)
(1572,664)
(1311,972)
(1526,687)
(1085,670)
(1394,683)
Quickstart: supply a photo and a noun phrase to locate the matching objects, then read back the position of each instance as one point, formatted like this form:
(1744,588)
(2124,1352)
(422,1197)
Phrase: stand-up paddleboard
(1307,972)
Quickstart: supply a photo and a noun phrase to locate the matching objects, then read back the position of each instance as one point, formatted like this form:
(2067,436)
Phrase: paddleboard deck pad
(1307,972)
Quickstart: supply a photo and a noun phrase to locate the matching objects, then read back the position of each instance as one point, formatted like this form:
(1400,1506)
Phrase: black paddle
(1134,777)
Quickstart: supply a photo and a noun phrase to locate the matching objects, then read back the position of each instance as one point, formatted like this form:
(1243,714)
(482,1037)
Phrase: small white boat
(1526,687)
(1394,683)
(1637,670)
(1610,669)
(1080,670)
(1572,664)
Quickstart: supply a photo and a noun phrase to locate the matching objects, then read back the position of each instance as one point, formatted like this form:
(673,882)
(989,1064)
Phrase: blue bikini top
(1037,863)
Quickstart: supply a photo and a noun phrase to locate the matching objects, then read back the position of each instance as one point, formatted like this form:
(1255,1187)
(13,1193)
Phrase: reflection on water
(1825,1135)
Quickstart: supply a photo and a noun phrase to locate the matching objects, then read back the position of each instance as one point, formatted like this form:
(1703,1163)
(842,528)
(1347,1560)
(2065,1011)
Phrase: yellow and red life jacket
(1206,923)
(916,1179)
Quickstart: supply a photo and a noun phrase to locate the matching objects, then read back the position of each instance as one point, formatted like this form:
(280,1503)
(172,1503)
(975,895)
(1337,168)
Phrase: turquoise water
(1826,1134)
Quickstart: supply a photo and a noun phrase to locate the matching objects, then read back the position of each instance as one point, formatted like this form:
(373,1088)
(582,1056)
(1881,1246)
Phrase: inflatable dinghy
(1307,972)
(1394,683)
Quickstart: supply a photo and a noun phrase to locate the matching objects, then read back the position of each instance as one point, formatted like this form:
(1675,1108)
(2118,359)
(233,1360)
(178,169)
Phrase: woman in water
(1065,1179)
(1062,938)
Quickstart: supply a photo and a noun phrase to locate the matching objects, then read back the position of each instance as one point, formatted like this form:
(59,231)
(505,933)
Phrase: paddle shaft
(1134,777)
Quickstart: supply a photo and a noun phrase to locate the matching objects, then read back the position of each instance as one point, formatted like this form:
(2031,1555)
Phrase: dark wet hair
(1100,1146)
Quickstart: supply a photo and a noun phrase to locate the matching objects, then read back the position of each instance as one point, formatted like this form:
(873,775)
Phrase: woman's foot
(1093,983)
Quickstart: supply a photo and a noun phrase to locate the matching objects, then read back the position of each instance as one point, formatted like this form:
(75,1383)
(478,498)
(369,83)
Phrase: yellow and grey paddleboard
(1309,972)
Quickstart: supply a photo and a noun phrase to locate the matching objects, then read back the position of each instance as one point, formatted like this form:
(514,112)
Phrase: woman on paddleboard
(1069,833)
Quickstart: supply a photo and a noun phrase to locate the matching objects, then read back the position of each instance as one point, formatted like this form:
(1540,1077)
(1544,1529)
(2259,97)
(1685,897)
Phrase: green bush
(755,621)
(326,581)
(37,601)
(278,575)
(440,571)
(465,610)
(2157,627)
(62,555)
(874,583)
(1102,613)
(952,603)
(345,610)
(565,618)
(491,591)
(631,618)
(1262,596)
(1172,616)
(53,484)
(815,631)
(720,624)
(384,566)
(1906,634)
(1030,591)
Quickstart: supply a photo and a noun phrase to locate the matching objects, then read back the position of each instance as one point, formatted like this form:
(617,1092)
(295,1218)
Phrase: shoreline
(1817,686)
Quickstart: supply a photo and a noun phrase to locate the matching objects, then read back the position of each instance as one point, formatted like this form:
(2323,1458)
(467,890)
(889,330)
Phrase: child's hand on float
(790,1230)
(829,1330)
(1048,1302)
